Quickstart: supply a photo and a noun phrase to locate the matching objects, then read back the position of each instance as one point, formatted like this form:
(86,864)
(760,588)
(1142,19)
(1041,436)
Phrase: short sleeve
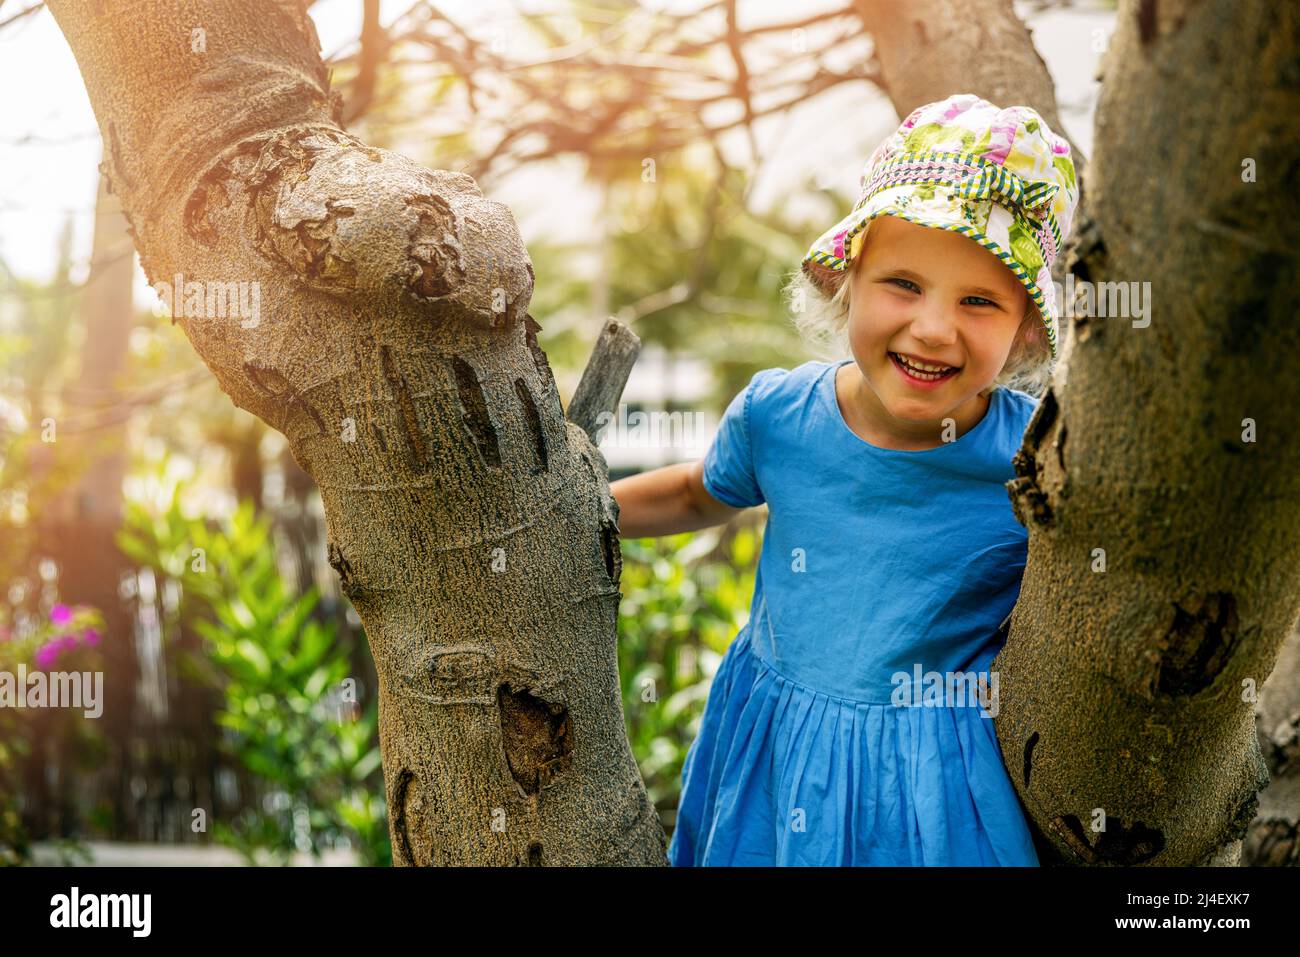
(729,474)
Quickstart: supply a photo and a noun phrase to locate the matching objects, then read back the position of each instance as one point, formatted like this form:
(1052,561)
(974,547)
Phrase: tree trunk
(78,527)
(471,525)
(92,565)
(242,442)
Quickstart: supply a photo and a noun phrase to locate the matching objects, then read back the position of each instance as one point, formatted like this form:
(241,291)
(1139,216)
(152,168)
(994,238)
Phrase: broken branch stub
(605,377)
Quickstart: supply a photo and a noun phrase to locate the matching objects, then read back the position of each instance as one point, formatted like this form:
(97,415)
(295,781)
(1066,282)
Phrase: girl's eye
(912,285)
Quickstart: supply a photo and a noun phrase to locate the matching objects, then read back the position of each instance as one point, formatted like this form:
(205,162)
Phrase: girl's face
(935,297)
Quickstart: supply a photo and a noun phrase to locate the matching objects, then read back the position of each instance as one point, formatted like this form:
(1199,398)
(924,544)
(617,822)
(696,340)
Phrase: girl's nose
(934,324)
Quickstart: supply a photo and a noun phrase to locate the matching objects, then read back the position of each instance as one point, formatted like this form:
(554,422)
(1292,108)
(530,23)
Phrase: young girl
(891,549)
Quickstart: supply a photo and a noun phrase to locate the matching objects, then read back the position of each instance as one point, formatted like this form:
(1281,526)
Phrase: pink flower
(60,614)
(47,654)
(90,636)
(5,633)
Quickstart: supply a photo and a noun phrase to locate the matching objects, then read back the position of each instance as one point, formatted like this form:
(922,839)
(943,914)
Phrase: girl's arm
(667,501)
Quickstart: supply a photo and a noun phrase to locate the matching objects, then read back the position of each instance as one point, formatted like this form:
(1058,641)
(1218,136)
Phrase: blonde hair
(823,324)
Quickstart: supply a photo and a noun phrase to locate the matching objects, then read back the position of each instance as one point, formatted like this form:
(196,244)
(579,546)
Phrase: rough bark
(604,378)
(470,524)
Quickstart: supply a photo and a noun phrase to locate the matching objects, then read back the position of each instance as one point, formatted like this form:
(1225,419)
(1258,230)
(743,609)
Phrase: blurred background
(668,164)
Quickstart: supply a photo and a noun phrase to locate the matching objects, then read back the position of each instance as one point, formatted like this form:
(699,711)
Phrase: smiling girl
(891,551)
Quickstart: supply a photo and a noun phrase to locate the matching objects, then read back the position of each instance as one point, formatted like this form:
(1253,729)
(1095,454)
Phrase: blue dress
(824,741)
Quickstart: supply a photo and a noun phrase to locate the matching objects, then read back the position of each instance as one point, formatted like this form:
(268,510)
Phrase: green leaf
(136,547)
(252,653)
(316,684)
(367,765)
(315,643)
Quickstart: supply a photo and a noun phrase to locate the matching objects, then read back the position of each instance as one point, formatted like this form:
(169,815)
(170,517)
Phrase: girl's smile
(921,374)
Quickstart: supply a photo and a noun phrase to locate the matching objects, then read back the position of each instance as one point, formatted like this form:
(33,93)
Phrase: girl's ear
(1035,333)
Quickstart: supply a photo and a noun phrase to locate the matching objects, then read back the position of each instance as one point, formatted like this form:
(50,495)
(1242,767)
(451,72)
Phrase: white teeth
(923,370)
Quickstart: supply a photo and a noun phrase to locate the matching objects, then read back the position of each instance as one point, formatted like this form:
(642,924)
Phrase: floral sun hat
(999,176)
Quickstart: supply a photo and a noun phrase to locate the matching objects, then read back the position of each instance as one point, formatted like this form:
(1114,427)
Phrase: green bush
(679,613)
(290,709)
